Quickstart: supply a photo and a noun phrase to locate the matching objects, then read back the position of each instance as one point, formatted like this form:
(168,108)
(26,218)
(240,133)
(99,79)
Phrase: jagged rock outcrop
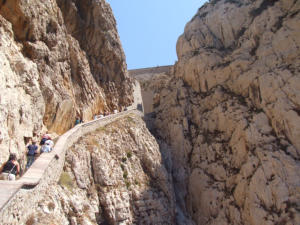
(59,59)
(231,114)
(112,176)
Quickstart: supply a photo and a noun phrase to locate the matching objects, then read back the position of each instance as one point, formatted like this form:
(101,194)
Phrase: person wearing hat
(31,153)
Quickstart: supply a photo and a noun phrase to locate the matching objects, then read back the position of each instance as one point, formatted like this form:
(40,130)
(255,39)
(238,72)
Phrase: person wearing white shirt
(48,146)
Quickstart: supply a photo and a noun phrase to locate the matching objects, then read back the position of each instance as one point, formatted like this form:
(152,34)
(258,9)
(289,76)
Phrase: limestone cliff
(58,59)
(112,176)
(230,114)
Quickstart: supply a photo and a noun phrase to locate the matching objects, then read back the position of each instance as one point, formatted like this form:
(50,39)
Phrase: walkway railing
(49,166)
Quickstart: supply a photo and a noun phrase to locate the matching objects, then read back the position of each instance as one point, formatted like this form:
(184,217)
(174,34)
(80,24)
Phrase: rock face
(92,24)
(230,114)
(112,176)
(59,59)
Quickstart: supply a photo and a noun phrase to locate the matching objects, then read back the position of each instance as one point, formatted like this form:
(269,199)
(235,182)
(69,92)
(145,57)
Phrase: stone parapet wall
(151,79)
(150,70)
(19,205)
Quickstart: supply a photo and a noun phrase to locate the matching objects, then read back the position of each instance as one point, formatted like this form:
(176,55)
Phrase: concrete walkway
(8,190)
(137,96)
(37,170)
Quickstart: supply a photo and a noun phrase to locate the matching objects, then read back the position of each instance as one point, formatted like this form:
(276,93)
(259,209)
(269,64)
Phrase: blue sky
(149,29)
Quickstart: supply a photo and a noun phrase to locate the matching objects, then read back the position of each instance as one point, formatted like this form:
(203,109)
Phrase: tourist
(50,142)
(10,169)
(31,153)
(44,139)
(48,146)
(77,121)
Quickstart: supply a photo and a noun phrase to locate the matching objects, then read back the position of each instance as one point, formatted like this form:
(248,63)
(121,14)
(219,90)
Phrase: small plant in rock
(127,183)
(122,167)
(129,154)
(124,159)
(125,174)
(130,119)
(66,181)
(104,129)
(136,182)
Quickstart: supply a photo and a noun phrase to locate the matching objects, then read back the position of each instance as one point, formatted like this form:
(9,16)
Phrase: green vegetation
(129,154)
(122,167)
(66,181)
(136,182)
(104,129)
(125,174)
(127,183)
(124,159)
(130,119)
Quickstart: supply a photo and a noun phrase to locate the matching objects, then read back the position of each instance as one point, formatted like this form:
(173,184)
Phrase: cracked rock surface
(230,114)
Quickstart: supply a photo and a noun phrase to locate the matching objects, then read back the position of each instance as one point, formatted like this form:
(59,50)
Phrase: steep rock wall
(49,74)
(93,25)
(231,114)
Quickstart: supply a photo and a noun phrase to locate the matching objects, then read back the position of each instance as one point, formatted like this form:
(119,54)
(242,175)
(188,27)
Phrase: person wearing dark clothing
(10,169)
(44,139)
(31,153)
(77,121)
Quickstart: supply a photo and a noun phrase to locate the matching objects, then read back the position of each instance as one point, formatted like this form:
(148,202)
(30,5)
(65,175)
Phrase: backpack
(10,167)
(43,141)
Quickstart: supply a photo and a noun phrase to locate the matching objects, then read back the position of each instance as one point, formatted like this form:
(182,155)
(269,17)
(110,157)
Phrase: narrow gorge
(219,140)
